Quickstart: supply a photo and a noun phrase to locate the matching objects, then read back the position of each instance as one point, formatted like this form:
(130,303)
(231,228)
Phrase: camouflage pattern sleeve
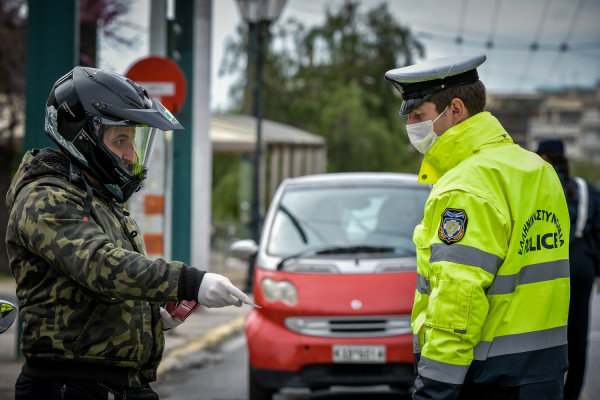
(103,253)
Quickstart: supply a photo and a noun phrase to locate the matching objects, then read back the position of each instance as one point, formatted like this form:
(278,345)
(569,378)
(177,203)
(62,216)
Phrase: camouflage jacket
(87,293)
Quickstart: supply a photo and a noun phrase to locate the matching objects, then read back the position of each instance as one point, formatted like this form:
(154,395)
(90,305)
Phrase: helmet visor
(132,145)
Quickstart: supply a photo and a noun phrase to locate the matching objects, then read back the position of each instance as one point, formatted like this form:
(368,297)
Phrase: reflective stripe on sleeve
(416,347)
(423,285)
(466,255)
(442,372)
(504,284)
(521,342)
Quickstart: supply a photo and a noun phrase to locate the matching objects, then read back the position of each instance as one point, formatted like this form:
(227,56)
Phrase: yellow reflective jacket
(492,292)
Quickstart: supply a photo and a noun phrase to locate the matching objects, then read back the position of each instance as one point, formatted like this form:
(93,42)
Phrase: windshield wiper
(295,223)
(306,252)
(335,250)
(356,249)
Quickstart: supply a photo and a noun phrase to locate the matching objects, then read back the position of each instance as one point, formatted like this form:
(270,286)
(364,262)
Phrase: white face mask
(421,134)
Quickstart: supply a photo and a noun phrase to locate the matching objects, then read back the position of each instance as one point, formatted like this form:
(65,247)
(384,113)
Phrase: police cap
(418,82)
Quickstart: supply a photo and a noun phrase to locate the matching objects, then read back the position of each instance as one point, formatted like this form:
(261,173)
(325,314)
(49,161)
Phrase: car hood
(341,294)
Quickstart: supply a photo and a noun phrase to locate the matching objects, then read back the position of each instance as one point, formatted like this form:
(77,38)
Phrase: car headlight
(283,291)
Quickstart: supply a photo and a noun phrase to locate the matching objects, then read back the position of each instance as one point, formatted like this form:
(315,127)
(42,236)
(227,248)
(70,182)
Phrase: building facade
(572,115)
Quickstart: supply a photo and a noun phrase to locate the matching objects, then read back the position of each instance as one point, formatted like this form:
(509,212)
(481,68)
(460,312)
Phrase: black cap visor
(416,93)
(409,105)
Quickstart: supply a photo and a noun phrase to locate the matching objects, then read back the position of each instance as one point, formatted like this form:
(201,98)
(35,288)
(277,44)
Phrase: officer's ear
(458,111)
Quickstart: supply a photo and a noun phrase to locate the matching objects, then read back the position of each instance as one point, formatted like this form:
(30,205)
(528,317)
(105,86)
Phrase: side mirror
(244,249)
(8,313)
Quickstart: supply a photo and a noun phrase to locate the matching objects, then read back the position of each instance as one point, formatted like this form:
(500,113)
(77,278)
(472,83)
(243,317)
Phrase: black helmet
(106,123)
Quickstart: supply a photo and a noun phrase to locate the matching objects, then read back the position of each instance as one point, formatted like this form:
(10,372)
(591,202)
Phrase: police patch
(453,225)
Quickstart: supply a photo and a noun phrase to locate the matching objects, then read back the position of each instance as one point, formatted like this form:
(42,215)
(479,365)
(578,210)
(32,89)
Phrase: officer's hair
(471,94)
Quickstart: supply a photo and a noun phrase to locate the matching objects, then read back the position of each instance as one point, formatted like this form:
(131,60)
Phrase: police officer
(88,295)
(583,201)
(490,312)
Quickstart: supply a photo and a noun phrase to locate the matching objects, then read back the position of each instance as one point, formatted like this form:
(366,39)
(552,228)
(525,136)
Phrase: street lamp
(254,11)
(258,14)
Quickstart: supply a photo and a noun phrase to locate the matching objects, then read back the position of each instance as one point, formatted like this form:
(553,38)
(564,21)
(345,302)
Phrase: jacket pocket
(110,333)
(422,241)
(449,305)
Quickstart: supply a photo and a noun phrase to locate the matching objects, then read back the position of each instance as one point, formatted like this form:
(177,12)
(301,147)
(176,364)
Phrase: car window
(308,218)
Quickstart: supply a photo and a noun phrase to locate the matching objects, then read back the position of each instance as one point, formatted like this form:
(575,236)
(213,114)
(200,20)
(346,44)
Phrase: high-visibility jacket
(492,294)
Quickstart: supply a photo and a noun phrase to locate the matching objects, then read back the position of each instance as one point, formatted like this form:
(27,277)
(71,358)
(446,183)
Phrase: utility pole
(46,62)
(192,150)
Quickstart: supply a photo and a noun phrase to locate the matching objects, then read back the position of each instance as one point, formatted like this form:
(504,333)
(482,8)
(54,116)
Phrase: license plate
(358,354)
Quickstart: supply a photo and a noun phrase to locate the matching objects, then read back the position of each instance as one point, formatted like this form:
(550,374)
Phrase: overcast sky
(505,30)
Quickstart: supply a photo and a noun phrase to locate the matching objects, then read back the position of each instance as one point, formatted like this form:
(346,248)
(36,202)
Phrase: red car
(335,275)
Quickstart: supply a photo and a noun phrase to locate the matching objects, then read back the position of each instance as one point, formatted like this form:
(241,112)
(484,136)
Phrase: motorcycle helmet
(106,124)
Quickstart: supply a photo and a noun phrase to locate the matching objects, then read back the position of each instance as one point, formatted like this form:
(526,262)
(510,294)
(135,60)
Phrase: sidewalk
(203,329)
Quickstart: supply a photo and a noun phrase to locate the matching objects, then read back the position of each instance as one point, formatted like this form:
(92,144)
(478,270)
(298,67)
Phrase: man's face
(427,112)
(119,140)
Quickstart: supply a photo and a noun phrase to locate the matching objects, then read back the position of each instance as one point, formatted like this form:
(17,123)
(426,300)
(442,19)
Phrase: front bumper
(282,358)
(322,376)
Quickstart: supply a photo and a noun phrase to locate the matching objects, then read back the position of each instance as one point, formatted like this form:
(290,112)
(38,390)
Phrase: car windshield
(367,219)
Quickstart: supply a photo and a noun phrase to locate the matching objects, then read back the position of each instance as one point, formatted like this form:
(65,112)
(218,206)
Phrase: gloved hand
(218,291)
(168,321)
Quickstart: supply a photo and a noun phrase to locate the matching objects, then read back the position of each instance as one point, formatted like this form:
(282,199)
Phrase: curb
(174,358)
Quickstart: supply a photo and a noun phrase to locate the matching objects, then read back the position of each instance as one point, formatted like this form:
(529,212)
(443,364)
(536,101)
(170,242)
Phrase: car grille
(367,326)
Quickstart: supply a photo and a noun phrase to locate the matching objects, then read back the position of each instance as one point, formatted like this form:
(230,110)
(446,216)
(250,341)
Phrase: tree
(331,78)
(102,16)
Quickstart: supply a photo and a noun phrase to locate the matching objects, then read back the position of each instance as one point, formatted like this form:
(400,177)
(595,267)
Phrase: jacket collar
(459,142)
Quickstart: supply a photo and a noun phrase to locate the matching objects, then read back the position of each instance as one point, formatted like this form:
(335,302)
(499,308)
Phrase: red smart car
(335,275)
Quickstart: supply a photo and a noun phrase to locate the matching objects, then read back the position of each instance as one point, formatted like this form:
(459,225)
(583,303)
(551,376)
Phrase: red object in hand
(183,309)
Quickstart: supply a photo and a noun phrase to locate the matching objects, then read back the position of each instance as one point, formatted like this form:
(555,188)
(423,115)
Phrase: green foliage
(586,169)
(359,141)
(329,80)
(225,183)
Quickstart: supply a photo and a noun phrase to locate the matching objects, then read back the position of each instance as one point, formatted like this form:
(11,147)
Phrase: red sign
(162,78)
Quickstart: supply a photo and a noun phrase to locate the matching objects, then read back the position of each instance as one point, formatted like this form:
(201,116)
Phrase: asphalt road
(222,374)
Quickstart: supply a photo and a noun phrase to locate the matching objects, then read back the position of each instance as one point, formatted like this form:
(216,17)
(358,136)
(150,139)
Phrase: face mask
(421,134)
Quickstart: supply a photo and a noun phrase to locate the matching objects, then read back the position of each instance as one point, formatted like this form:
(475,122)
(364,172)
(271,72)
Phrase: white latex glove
(218,291)
(168,321)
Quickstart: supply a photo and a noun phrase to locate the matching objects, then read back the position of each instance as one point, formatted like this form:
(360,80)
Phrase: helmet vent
(87,73)
(65,78)
(134,102)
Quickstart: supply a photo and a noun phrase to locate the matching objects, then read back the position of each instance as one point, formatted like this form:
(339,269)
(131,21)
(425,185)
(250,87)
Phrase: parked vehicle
(335,275)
